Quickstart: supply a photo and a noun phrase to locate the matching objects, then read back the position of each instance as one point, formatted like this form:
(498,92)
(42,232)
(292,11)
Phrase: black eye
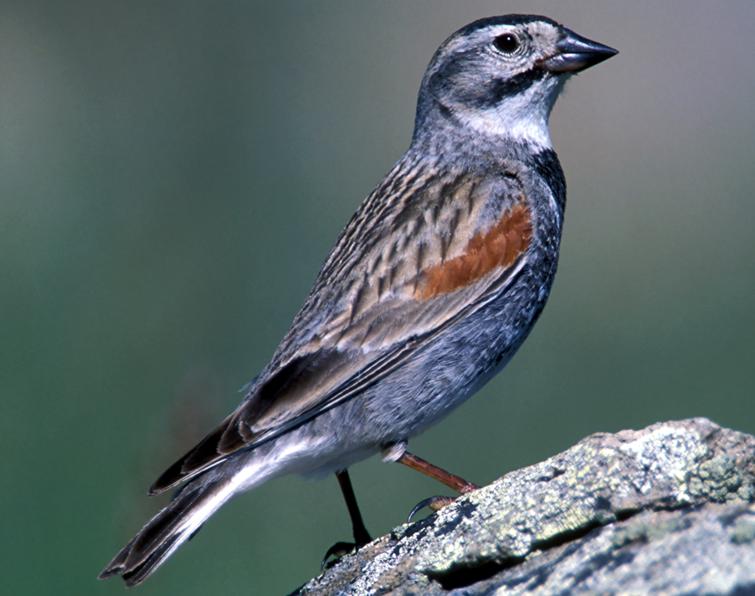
(506,43)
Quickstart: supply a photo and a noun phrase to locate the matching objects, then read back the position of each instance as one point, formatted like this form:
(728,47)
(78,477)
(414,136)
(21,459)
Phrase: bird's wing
(415,259)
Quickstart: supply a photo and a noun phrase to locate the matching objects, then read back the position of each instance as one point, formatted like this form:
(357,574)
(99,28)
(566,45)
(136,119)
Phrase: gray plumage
(430,290)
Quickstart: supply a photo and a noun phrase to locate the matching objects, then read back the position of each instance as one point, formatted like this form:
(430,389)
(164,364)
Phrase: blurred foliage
(172,175)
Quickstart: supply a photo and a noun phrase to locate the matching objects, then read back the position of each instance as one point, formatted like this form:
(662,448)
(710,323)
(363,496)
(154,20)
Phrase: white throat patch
(523,117)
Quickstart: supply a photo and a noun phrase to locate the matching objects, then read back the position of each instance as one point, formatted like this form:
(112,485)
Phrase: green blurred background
(172,176)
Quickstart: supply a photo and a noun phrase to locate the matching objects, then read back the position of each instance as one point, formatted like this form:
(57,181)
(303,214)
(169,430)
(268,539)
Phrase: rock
(666,509)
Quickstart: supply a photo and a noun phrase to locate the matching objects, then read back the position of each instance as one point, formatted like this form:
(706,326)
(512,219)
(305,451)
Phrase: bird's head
(501,76)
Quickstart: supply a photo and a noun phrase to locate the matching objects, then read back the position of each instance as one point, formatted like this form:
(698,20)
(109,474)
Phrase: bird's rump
(462,241)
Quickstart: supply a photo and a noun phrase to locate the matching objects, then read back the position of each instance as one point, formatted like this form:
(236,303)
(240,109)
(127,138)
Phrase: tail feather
(171,527)
(197,460)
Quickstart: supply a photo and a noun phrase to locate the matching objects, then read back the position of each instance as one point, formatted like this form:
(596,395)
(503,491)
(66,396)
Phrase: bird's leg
(423,466)
(361,535)
(397,452)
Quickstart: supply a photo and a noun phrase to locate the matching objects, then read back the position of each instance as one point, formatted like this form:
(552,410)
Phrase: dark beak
(576,53)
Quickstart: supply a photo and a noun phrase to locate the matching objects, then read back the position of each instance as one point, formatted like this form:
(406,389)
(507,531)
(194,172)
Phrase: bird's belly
(455,365)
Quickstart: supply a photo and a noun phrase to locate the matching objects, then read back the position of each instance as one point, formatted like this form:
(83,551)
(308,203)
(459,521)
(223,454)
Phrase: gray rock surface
(670,509)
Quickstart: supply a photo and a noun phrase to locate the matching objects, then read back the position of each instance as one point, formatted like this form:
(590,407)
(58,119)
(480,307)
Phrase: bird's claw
(435,503)
(339,550)
(335,553)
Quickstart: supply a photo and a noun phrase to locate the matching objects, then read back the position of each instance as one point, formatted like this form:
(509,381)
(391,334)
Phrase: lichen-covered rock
(704,550)
(668,508)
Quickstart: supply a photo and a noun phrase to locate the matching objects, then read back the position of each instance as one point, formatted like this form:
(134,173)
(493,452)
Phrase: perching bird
(432,286)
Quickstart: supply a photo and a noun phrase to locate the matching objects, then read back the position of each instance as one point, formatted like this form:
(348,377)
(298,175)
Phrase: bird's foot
(435,503)
(339,550)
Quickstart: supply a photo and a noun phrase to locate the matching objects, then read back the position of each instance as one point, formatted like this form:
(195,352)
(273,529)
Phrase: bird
(430,289)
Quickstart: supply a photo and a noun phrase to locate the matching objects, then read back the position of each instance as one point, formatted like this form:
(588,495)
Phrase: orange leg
(453,481)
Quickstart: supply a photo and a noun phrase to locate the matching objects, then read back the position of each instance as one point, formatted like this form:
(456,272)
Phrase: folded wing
(417,257)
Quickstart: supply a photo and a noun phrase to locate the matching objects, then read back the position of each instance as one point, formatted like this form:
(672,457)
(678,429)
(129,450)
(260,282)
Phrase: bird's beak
(575,53)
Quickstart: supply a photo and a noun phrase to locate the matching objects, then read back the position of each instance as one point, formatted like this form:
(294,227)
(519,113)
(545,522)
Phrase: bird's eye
(508,43)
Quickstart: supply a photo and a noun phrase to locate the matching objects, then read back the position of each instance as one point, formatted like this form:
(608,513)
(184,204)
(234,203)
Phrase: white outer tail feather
(215,487)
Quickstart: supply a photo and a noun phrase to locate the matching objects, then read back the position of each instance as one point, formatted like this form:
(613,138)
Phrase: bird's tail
(178,522)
